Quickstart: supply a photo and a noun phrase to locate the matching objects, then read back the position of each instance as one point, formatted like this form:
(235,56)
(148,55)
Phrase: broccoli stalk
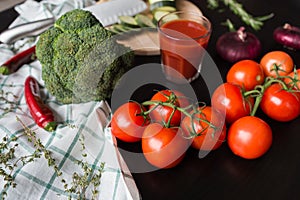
(81,60)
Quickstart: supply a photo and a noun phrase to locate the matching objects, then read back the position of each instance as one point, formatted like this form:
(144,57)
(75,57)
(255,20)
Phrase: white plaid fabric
(36,180)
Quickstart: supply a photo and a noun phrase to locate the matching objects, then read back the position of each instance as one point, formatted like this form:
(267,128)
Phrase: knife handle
(24,30)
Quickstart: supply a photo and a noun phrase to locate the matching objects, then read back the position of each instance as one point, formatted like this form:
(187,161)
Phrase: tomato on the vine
(161,114)
(293,79)
(246,73)
(280,104)
(207,126)
(249,137)
(127,123)
(164,147)
(229,100)
(277,63)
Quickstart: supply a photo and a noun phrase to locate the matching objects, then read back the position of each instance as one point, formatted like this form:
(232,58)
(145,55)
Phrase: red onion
(238,45)
(288,35)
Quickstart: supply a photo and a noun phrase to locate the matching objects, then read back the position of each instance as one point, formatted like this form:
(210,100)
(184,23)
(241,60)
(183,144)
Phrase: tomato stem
(196,110)
(193,132)
(259,91)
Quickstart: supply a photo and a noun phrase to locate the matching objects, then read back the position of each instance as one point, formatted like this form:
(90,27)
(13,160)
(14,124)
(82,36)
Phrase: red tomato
(277,59)
(161,114)
(209,138)
(127,124)
(229,100)
(280,104)
(293,79)
(246,73)
(164,147)
(249,137)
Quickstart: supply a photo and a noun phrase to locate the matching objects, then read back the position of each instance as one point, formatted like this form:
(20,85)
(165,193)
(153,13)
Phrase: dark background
(221,174)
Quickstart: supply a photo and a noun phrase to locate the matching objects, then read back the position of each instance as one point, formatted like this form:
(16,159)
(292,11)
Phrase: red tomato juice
(182,44)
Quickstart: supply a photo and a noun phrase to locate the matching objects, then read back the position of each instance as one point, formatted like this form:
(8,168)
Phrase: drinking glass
(183,37)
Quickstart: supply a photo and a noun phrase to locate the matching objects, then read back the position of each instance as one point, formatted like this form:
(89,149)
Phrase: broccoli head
(81,60)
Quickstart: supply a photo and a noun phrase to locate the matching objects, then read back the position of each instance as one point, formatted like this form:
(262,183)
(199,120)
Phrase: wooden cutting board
(145,41)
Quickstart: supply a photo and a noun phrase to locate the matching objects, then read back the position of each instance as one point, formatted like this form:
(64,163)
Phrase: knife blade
(107,13)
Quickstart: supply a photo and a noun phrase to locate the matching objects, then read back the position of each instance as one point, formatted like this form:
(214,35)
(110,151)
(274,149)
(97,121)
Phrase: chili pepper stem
(4,70)
(15,62)
(51,126)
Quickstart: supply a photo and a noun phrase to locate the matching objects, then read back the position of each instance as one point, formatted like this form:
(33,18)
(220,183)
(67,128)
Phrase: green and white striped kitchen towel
(77,122)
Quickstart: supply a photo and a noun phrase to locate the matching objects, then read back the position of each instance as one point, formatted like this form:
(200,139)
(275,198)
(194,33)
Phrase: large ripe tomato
(246,73)
(277,59)
(127,124)
(293,79)
(161,114)
(210,124)
(249,137)
(279,104)
(229,100)
(164,147)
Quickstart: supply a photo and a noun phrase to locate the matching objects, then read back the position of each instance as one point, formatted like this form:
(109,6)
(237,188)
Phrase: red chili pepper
(14,63)
(41,114)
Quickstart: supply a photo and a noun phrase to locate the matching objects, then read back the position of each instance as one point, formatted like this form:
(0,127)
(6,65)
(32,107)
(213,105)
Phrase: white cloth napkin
(36,180)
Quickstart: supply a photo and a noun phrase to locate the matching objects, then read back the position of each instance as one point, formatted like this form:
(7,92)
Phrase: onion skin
(287,35)
(239,45)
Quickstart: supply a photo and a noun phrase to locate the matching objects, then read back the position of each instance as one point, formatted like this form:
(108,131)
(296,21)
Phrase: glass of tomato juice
(183,37)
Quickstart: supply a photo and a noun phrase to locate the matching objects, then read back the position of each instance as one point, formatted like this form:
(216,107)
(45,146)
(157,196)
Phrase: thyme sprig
(39,147)
(8,160)
(8,102)
(89,176)
(237,8)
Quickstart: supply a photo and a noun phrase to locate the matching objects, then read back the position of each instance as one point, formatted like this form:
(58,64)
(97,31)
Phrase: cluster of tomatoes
(271,85)
(168,124)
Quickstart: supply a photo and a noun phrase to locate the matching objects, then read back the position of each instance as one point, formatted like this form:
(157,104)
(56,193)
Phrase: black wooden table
(221,174)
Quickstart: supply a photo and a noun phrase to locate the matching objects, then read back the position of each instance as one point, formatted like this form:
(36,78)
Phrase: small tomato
(127,124)
(246,73)
(161,114)
(280,104)
(164,147)
(228,99)
(209,124)
(277,63)
(249,137)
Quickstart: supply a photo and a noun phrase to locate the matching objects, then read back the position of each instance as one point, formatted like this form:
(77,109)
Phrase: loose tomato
(277,61)
(209,124)
(127,124)
(280,104)
(164,147)
(249,137)
(293,80)
(229,100)
(246,73)
(161,114)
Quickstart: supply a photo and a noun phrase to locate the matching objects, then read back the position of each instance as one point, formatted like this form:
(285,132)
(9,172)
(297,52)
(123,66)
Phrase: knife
(107,13)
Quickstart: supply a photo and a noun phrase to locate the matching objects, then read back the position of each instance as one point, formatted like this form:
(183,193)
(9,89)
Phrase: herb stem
(237,8)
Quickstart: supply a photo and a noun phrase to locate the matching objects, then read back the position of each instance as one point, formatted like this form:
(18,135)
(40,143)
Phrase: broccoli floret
(76,20)
(44,47)
(81,60)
